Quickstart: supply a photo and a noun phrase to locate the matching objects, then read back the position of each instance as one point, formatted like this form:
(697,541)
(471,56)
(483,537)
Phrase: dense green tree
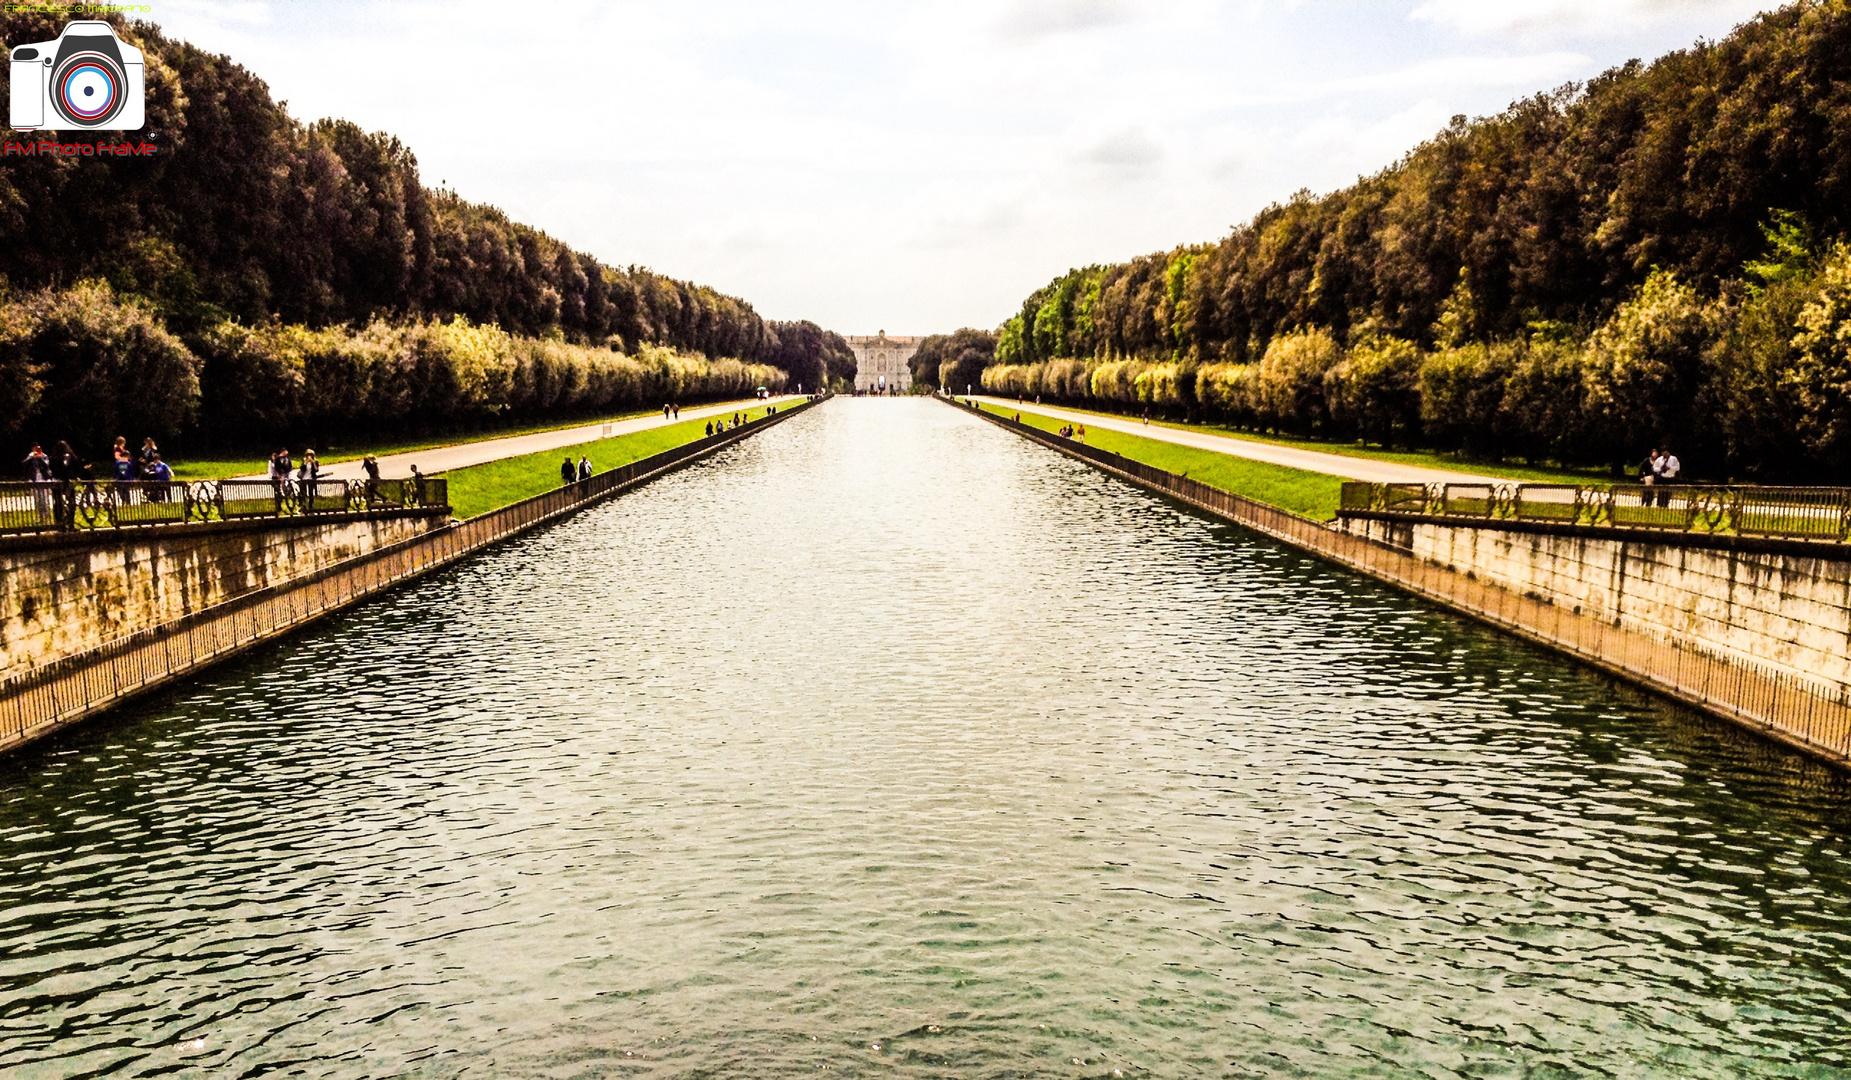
(1610,265)
(247,218)
(1820,377)
(88,366)
(954,360)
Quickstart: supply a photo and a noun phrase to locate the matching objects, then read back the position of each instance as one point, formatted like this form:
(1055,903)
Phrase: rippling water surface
(887,743)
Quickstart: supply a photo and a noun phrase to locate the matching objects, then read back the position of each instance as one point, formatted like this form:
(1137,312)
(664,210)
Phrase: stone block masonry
(1779,604)
(70,594)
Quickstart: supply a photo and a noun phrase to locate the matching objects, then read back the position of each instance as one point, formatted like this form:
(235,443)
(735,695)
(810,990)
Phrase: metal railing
(1797,513)
(107,504)
(37,702)
(1809,713)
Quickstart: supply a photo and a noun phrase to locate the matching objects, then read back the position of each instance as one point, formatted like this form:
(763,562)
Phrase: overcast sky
(912,166)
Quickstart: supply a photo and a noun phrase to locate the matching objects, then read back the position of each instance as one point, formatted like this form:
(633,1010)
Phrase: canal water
(887,743)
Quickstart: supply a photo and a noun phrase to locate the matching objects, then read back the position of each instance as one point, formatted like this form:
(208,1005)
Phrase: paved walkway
(1341,465)
(462,455)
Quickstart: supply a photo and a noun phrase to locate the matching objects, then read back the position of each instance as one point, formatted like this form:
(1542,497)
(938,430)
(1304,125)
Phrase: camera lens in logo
(88,88)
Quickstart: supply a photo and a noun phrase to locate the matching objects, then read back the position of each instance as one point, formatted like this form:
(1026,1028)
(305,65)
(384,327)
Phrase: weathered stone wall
(1784,605)
(63,596)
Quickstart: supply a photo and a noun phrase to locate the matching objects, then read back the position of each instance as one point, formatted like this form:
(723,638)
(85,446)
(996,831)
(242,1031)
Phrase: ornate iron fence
(1789,512)
(108,504)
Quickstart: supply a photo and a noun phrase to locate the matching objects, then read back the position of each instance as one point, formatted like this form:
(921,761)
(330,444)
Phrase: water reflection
(888,742)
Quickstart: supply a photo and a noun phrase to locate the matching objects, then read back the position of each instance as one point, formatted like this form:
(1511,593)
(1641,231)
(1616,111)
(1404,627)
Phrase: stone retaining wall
(1787,605)
(70,594)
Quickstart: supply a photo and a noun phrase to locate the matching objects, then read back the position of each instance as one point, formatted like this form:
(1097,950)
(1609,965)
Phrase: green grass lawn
(1311,494)
(495,484)
(1428,459)
(215,468)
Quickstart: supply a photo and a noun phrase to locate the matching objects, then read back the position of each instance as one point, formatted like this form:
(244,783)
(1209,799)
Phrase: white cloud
(1575,17)
(1038,18)
(1130,149)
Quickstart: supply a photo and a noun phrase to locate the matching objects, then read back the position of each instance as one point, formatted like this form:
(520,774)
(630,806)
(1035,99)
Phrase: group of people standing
(715,427)
(126,466)
(135,475)
(283,468)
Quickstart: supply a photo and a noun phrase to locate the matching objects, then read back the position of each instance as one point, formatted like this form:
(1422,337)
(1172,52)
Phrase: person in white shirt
(1668,467)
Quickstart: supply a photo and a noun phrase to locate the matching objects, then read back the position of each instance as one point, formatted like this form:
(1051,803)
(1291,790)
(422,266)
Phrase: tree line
(247,220)
(1654,256)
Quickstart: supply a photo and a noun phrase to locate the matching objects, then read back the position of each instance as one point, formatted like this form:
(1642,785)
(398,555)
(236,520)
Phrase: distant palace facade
(880,362)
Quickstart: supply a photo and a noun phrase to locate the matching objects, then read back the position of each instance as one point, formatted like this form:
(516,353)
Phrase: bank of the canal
(1662,651)
(887,743)
(199,628)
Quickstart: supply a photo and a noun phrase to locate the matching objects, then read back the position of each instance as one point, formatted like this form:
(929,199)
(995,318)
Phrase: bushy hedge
(1755,382)
(85,364)
(79,364)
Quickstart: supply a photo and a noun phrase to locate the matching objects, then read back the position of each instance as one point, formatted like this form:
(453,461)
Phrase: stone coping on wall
(1758,545)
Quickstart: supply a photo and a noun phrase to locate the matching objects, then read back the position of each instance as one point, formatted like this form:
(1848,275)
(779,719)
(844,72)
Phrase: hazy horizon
(916,167)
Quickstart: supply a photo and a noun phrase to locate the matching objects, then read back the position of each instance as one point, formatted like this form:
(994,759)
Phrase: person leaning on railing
(158,477)
(279,476)
(1668,468)
(67,469)
(123,468)
(37,468)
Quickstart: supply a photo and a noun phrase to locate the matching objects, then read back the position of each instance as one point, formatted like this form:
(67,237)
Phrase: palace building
(880,362)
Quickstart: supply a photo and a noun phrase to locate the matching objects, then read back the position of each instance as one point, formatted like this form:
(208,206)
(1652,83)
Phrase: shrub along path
(1342,466)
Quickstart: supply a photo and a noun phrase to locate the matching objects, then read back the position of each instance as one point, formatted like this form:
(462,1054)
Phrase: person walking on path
(710,429)
(677,410)
(370,463)
(567,473)
(584,468)
(37,468)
